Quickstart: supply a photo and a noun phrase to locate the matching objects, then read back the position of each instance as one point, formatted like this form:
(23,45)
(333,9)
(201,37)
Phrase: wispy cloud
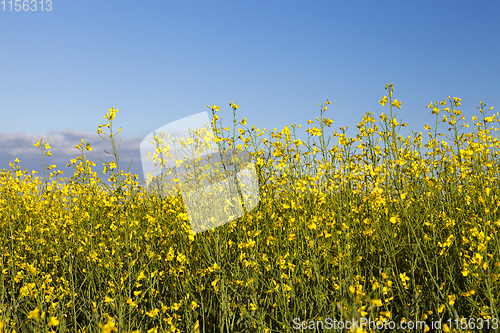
(20,145)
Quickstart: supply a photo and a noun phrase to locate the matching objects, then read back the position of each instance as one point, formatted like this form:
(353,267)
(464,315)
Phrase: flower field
(373,226)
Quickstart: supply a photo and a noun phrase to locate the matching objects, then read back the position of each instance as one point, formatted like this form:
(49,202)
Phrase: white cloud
(62,143)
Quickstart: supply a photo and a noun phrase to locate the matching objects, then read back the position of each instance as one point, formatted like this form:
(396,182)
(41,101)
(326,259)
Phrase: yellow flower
(130,302)
(394,122)
(314,131)
(383,100)
(34,314)
(451,299)
(196,327)
(328,122)
(215,108)
(53,321)
(234,106)
(386,314)
(396,104)
(141,276)
(153,313)
(109,327)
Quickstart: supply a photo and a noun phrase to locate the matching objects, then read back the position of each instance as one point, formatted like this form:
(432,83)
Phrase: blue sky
(159,61)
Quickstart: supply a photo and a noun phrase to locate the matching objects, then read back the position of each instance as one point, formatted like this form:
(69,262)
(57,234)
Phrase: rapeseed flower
(327,217)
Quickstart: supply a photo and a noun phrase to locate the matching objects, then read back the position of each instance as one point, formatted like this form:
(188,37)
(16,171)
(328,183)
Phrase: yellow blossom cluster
(377,226)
